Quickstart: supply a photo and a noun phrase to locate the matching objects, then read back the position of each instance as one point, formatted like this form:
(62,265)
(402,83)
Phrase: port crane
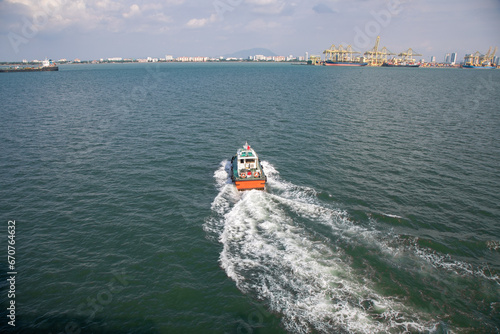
(478,59)
(472,59)
(487,59)
(315,60)
(340,53)
(377,57)
(330,52)
(407,56)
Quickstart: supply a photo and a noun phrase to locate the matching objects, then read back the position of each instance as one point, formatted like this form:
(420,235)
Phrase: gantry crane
(478,59)
(487,59)
(315,60)
(407,56)
(347,53)
(339,53)
(377,57)
(330,52)
(472,59)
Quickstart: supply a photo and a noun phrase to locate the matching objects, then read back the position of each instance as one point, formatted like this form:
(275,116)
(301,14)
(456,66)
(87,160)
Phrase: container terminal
(382,57)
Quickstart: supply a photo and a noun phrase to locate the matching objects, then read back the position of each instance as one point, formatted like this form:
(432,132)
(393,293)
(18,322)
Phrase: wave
(312,264)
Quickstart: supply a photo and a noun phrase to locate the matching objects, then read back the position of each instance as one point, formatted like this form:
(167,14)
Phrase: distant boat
(400,65)
(246,171)
(343,63)
(47,65)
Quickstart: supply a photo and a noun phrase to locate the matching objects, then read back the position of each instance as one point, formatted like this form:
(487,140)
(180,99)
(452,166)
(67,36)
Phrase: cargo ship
(343,63)
(246,170)
(340,56)
(478,66)
(400,65)
(481,61)
(47,65)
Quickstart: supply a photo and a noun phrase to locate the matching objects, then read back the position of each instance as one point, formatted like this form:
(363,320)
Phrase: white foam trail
(440,261)
(227,196)
(493,245)
(391,215)
(271,250)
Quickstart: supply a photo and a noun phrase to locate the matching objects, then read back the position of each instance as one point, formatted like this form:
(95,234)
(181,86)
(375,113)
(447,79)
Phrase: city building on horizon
(453,59)
(450,58)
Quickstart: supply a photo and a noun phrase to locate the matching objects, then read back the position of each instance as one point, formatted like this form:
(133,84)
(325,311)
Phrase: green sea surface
(381,213)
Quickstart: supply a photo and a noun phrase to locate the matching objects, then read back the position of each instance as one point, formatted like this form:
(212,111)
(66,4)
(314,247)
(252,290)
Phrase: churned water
(381,212)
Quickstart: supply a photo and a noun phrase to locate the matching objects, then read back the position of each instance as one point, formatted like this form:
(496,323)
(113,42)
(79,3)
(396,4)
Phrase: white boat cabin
(247,159)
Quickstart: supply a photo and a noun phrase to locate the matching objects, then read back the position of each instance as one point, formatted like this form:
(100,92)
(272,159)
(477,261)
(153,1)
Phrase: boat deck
(246,171)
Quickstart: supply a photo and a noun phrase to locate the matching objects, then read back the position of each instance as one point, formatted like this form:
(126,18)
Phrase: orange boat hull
(250,184)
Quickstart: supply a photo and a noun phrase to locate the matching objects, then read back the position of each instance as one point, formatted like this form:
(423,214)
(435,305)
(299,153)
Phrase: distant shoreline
(96,62)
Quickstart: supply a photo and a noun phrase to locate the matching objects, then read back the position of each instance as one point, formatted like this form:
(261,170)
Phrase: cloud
(89,15)
(108,5)
(203,25)
(263,2)
(134,10)
(200,23)
(268,7)
(323,9)
(261,25)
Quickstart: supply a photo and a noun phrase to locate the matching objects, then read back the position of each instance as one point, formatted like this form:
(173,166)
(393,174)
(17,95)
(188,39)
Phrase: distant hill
(251,52)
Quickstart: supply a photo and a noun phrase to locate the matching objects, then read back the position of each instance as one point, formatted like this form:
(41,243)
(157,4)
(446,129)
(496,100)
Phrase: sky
(94,29)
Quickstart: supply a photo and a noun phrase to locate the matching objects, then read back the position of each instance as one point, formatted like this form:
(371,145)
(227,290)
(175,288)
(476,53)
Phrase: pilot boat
(246,170)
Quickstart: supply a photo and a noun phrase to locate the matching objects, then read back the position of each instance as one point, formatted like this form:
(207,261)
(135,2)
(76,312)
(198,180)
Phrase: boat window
(250,163)
(242,161)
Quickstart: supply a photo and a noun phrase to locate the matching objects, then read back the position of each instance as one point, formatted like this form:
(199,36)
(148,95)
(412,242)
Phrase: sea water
(380,215)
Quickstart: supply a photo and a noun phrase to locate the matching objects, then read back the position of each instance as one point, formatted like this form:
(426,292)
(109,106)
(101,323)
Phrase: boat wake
(313,265)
